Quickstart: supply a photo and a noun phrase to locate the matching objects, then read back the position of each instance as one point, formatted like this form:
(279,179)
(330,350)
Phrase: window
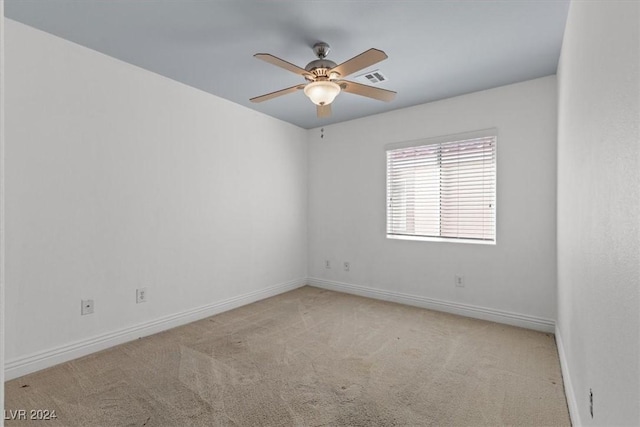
(443,189)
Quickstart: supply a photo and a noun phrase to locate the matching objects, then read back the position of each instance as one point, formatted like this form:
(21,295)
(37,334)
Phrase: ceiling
(436,49)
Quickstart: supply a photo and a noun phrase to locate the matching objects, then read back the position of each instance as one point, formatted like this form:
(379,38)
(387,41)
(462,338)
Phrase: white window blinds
(443,190)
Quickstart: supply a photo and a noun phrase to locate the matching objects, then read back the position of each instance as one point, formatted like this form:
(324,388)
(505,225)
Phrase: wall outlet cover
(141,295)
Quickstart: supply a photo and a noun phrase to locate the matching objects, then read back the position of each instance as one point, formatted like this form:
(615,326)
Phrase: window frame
(451,138)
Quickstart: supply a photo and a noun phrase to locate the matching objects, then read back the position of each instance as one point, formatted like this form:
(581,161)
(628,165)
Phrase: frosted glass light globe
(322,92)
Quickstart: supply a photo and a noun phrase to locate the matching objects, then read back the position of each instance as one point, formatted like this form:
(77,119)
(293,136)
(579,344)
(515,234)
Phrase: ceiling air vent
(372,77)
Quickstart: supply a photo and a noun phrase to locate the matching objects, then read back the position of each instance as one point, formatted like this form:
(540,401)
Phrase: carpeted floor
(310,357)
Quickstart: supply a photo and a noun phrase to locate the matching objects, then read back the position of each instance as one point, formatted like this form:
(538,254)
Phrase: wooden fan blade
(276,94)
(368,91)
(324,111)
(274,60)
(359,62)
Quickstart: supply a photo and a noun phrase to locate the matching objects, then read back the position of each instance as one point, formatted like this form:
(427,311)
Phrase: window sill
(440,239)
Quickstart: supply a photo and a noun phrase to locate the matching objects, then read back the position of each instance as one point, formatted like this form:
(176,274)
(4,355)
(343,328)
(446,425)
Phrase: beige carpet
(310,357)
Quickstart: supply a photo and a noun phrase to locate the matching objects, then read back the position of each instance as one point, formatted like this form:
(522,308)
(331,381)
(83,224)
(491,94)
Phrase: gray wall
(347,206)
(599,211)
(2,229)
(118,179)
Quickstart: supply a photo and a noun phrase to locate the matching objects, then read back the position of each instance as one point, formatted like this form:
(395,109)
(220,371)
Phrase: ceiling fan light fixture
(324,78)
(322,92)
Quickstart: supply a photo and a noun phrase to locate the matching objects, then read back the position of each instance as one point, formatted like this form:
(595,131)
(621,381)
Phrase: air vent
(372,77)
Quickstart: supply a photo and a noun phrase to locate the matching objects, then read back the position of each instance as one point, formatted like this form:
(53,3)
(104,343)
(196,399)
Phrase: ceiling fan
(324,78)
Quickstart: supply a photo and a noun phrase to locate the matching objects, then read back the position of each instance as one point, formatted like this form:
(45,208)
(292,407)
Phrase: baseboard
(24,365)
(18,367)
(566,379)
(499,316)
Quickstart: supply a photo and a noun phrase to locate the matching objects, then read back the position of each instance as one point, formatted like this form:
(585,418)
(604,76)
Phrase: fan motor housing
(320,67)
(320,63)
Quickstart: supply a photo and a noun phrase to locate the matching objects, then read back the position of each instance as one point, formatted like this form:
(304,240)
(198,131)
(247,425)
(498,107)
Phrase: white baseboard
(20,366)
(477,312)
(566,379)
(34,362)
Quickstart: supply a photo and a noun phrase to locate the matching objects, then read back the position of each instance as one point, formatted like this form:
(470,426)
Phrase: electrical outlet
(591,402)
(459,281)
(87,307)
(347,266)
(327,263)
(141,295)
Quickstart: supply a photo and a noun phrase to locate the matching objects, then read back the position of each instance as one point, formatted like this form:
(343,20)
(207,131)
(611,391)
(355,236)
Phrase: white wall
(347,213)
(118,178)
(599,211)
(2,233)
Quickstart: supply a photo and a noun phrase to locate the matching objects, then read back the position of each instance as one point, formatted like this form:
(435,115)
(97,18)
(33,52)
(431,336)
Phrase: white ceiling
(437,49)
